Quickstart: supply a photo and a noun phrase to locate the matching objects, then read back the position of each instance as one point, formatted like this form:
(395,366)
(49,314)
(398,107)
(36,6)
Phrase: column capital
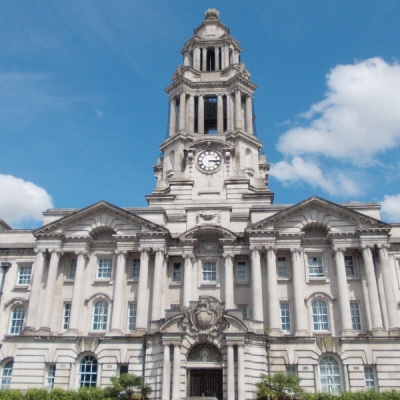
(256,248)
(298,250)
(188,256)
(160,252)
(338,251)
(42,251)
(56,252)
(383,246)
(145,250)
(270,248)
(366,247)
(82,253)
(123,253)
(228,255)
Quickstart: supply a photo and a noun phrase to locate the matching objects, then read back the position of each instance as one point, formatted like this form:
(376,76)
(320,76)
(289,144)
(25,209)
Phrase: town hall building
(211,284)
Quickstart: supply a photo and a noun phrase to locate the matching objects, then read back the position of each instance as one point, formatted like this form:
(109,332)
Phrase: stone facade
(211,284)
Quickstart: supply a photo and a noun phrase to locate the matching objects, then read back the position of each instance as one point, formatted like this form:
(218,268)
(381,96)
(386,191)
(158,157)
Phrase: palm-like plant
(128,387)
(280,386)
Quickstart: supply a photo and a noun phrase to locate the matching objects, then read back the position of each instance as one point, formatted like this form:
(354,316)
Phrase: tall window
(135,269)
(291,370)
(24,275)
(132,316)
(6,374)
(72,269)
(100,314)
(320,315)
(242,272)
(66,316)
(329,373)
(355,316)
(104,268)
(17,320)
(349,263)
(245,310)
(285,317)
(88,371)
(369,375)
(51,376)
(281,267)
(315,267)
(177,272)
(209,273)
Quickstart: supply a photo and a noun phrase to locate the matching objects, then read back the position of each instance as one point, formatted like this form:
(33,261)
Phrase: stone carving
(209,247)
(212,14)
(206,318)
(207,217)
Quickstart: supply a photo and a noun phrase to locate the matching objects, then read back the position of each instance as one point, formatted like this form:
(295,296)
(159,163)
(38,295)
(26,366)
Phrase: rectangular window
(135,269)
(285,317)
(24,275)
(209,273)
(242,272)
(281,267)
(104,268)
(177,272)
(51,375)
(245,310)
(72,269)
(369,375)
(123,369)
(132,316)
(291,370)
(355,316)
(349,263)
(315,267)
(66,316)
(320,315)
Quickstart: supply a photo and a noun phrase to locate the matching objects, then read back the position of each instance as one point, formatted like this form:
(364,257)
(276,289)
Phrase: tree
(280,386)
(128,387)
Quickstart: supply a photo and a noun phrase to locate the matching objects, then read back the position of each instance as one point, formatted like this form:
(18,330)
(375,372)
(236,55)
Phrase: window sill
(353,278)
(283,279)
(68,281)
(133,280)
(22,287)
(318,279)
(175,284)
(322,333)
(209,284)
(242,283)
(100,281)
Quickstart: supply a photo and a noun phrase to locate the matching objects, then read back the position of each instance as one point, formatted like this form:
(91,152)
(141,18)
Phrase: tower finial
(212,14)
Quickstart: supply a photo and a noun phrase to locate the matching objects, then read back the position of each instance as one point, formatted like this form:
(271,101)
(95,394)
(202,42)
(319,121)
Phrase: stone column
(343,292)
(186,59)
(200,121)
(229,281)
(391,303)
(142,298)
(231,373)
(76,304)
(157,287)
(35,290)
(300,316)
(204,59)
(225,59)
(118,298)
(240,373)
(238,109)
(196,58)
(187,278)
(220,114)
(191,114)
(272,293)
(249,116)
(50,285)
(377,326)
(256,284)
(166,373)
(172,116)
(176,379)
(182,111)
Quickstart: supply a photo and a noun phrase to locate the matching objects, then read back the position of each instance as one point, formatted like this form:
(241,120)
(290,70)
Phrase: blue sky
(83,108)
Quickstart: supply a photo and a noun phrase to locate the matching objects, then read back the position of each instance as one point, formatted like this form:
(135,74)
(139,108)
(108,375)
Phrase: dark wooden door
(206,382)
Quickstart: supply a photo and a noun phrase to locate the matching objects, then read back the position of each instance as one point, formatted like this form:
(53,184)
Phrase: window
(242,272)
(104,268)
(291,370)
(123,369)
(135,269)
(285,317)
(24,275)
(369,375)
(132,316)
(51,375)
(320,315)
(100,314)
(177,272)
(355,316)
(315,267)
(66,316)
(88,371)
(209,273)
(6,375)
(281,267)
(330,375)
(245,310)
(349,264)
(72,269)
(17,320)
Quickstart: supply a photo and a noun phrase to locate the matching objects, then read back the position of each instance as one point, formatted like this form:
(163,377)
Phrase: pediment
(318,215)
(100,221)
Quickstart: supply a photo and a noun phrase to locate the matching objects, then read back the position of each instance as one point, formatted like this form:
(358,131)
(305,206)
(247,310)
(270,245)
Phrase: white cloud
(359,118)
(391,207)
(311,173)
(22,201)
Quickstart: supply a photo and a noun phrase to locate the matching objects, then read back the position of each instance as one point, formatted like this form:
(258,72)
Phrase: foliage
(280,386)
(361,395)
(128,387)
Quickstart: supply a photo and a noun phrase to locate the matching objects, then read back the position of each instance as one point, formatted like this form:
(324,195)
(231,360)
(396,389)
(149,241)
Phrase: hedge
(56,394)
(364,395)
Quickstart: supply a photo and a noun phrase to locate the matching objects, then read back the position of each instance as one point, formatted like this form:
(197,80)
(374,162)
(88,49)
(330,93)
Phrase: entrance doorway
(205,382)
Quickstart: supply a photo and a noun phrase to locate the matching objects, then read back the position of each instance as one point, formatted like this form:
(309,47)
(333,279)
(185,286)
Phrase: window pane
(132,316)
(355,316)
(281,266)
(241,271)
(369,378)
(330,375)
(17,320)
(285,316)
(100,313)
(244,308)
(177,272)
(104,268)
(315,266)
(88,371)
(320,315)
(72,269)
(291,370)
(209,271)
(66,316)
(349,263)
(6,375)
(135,269)
(24,275)
(51,374)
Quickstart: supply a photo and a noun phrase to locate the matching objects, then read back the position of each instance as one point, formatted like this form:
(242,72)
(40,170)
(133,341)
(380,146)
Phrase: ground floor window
(6,374)
(88,371)
(329,373)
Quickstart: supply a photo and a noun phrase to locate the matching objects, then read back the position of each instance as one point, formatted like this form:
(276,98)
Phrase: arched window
(100,315)
(17,320)
(6,374)
(329,373)
(88,371)
(205,353)
(320,315)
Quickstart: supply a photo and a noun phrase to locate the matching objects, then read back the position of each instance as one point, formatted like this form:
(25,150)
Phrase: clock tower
(211,153)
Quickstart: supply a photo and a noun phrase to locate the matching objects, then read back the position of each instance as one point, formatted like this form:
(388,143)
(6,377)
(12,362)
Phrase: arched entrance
(204,370)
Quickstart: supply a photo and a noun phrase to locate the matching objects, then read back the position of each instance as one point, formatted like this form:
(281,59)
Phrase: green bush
(364,395)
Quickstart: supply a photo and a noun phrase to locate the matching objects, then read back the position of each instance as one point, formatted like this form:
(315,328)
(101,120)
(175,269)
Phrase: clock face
(209,160)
